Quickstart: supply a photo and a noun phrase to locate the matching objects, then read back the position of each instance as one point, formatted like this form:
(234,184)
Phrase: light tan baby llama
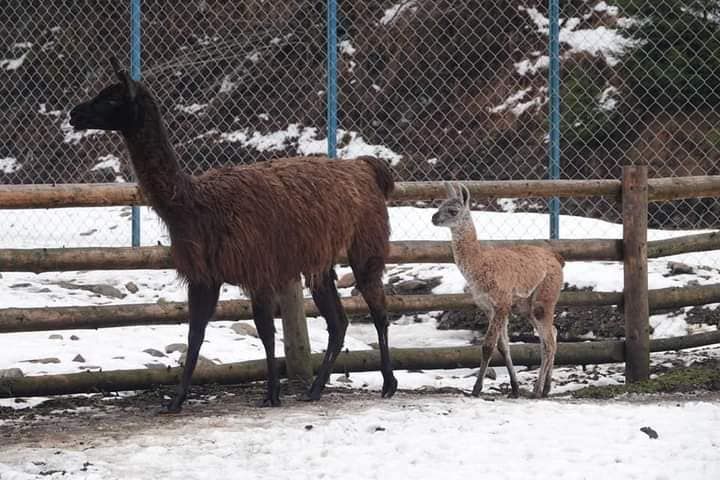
(529,277)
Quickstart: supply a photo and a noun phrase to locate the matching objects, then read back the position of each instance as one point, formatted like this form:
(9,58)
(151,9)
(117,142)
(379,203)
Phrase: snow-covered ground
(409,436)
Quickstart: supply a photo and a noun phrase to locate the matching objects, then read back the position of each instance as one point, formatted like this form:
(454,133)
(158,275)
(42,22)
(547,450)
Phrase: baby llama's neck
(154,160)
(464,238)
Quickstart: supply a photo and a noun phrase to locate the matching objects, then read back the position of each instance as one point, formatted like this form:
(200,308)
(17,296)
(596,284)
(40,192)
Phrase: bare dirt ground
(80,421)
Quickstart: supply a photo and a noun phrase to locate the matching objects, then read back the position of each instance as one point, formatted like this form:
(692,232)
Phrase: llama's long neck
(464,239)
(154,160)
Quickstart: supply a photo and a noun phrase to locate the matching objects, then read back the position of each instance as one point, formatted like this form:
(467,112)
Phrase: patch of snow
(346,47)
(108,161)
(603,7)
(9,165)
(432,161)
(507,204)
(74,136)
(607,42)
(13,63)
(392,13)
(192,108)
(532,67)
(606,101)
(305,140)
(514,104)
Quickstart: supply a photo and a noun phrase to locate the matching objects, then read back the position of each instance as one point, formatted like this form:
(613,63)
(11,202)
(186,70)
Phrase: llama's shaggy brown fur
(527,276)
(257,226)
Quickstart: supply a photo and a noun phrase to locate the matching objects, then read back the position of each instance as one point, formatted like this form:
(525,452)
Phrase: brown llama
(258,227)
(527,276)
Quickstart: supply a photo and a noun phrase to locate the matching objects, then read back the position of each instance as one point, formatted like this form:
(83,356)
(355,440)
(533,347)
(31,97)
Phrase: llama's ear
(450,189)
(124,77)
(465,195)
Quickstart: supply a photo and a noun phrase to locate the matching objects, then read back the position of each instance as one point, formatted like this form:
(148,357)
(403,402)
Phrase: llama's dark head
(453,210)
(116,107)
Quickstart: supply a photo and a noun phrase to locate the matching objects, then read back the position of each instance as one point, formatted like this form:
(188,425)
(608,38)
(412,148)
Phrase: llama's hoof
(309,396)
(389,387)
(268,402)
(172,408)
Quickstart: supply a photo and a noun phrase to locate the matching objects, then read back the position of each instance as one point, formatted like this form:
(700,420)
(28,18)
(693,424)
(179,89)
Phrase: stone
(11,373)
(74,337)
(43,360)
(55,336)
(154,353)
(489,373)
(155,366)
(346,281)
(416,286)
(176,347)
(131,287)
(679,268)
(244,328)
(78,358)
(202,362)
(98,289)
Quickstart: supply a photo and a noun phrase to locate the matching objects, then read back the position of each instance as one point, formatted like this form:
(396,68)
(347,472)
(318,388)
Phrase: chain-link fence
(445,89)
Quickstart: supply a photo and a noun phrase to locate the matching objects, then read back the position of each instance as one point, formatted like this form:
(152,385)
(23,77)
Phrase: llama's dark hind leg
(262,304)
(202,300)
(368,276)
(326,298)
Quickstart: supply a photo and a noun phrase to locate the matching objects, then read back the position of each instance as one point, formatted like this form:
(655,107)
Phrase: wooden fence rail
(591,353)
(38,260)
(106,316)
(113,194)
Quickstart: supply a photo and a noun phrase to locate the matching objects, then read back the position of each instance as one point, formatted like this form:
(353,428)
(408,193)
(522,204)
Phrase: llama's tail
(560,258)
(383,174)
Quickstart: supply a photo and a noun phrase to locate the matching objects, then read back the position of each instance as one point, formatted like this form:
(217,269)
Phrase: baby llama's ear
(465,195)
(450,189)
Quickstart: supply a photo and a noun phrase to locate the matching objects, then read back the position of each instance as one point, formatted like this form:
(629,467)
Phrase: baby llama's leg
(504,348)
(497,317)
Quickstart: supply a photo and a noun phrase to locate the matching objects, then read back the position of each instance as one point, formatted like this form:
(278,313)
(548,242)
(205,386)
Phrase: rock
(346,281)
(131,287)
(415,286)
(98,289)
(489,373)
(154,353)
(74,337)
(43,360)
(679,268)
(343,379)
(78,358)
(11,373)
(244,328)
(201,363)
(155,366)
(21,285)
(176,347)
(55,336)
(90,367)
(649,432)
(162,301)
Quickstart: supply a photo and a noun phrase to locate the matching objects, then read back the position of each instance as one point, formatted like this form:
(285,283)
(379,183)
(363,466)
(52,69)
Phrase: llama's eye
(453,211)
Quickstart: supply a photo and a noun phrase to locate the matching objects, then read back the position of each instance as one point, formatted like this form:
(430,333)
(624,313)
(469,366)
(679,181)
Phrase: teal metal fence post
(135,47)
(332,86)
(554,94)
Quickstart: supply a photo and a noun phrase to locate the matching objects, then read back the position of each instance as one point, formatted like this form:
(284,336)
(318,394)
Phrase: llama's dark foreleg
(263,308)
(327,299)
(369,281)
(202,300)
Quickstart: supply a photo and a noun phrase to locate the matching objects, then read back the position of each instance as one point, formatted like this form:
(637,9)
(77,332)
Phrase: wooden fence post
(635,268)
(295,336)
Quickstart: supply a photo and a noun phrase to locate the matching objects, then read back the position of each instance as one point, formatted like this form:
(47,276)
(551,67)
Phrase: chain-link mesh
(445,89)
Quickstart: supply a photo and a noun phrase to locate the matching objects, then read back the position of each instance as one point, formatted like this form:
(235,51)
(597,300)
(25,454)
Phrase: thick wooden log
(70,195)
(588,353)
(416,191)
(295,336)
(678,188)
(113,194)
(635,267)
(358,361)
(127,258)
(92,317)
